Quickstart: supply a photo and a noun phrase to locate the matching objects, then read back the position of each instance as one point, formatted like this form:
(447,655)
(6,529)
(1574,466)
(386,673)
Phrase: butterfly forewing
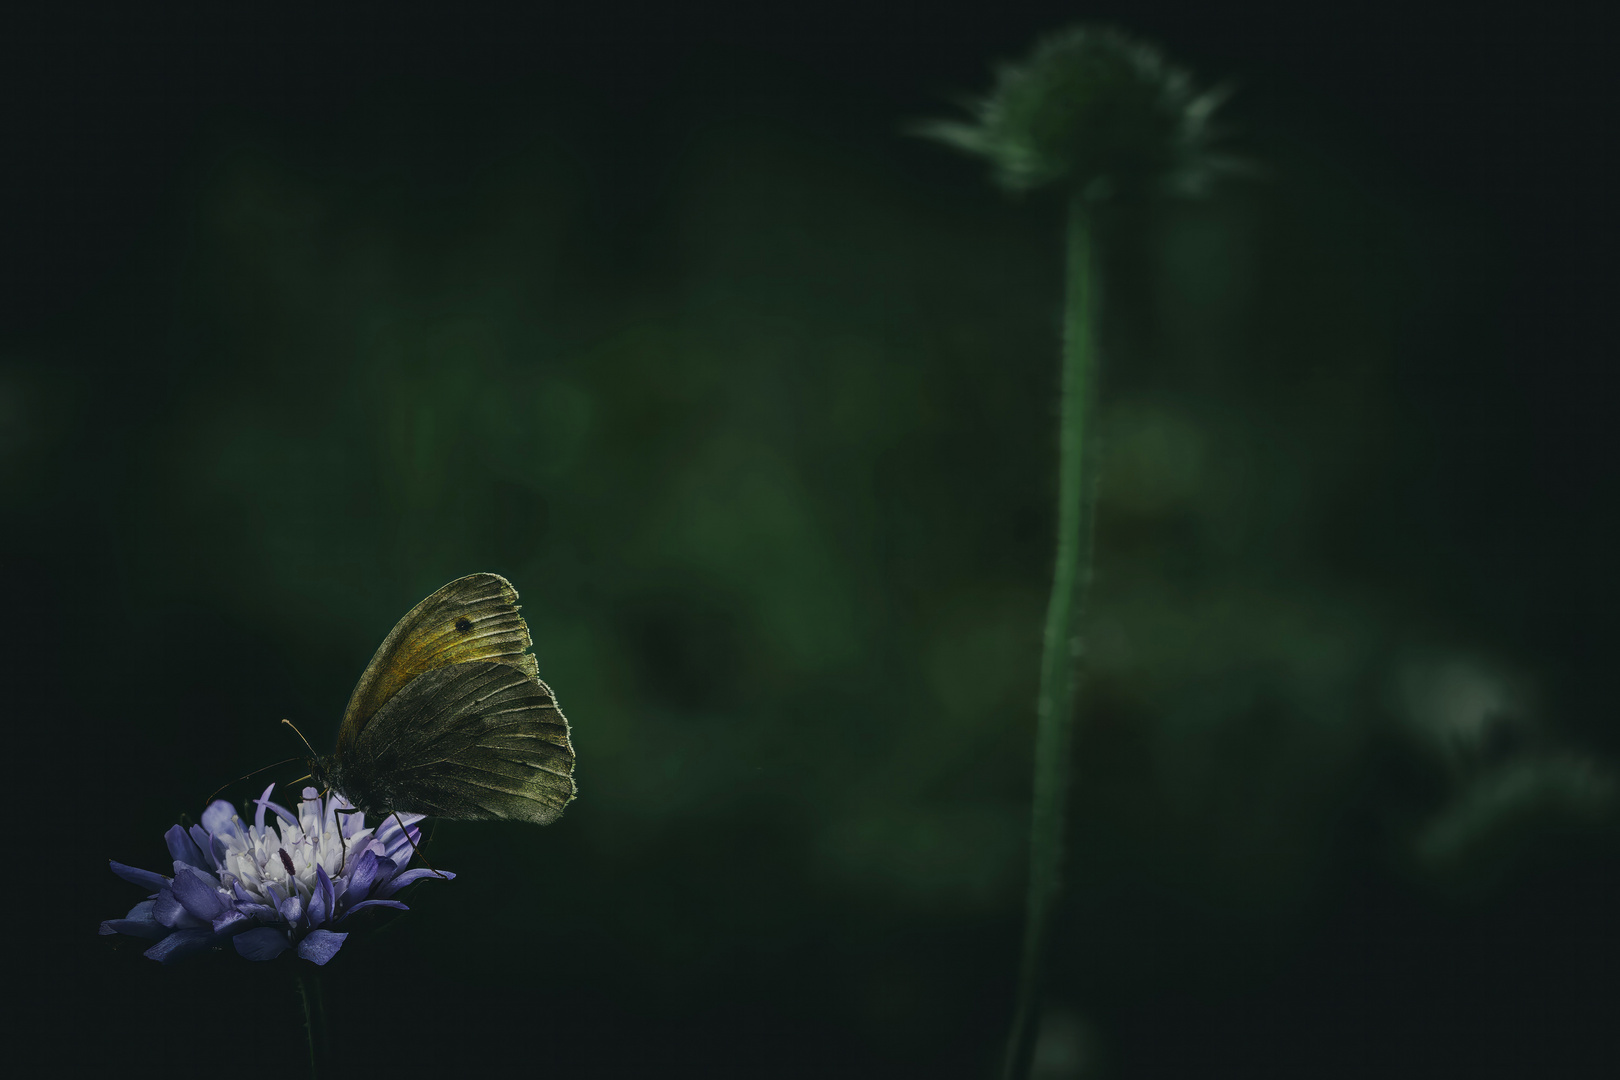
(472,740)
(474,618)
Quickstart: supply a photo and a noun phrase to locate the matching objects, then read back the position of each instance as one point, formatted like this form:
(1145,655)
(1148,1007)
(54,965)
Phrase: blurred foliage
(762,430)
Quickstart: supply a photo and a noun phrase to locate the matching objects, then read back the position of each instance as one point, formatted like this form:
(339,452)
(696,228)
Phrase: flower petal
(199,893)
(323,903)
(182,848)
(403,847)
(180,944)
(265,943)
(408,877)
(326,811)
(220,819)
(138,923)
(143,928)
(364,874)
(211,849)
(169,911)
(291,909)
(353,824)
(230,917)
(282,812)
(137,876)
(320,946)
(374,903)
(386,869)
(396,826)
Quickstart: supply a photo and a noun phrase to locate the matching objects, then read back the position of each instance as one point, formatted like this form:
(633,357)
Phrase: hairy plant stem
(1055,708)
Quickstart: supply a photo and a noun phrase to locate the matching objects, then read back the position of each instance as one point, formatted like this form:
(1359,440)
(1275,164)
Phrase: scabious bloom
(268,889)
(1096,111)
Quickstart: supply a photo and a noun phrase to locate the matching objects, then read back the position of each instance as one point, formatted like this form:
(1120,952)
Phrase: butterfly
(450,718)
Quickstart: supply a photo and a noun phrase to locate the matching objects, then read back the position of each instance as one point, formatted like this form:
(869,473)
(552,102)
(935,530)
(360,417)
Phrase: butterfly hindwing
(474,618)
(471,740)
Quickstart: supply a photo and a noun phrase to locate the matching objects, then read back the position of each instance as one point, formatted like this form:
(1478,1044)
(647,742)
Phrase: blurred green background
(752,398)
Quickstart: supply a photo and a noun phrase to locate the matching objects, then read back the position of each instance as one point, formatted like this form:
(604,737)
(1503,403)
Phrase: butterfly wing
(472,618)
(472,740)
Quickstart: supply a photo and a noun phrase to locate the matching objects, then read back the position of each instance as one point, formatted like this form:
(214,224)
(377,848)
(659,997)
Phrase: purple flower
(269,890)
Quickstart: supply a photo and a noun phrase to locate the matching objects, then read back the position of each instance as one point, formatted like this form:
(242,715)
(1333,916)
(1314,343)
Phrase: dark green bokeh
(753,400)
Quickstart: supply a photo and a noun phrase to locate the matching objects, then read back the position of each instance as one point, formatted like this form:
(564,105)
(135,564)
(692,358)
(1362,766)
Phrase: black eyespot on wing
(463,624)
(428,638)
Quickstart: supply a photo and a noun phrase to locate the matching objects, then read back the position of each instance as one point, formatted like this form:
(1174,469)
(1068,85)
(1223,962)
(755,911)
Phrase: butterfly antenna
(418,851)
(300,735)
(254,773)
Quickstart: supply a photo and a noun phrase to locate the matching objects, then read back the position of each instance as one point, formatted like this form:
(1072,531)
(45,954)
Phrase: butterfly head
(324,771)
(327,771)
(329,775)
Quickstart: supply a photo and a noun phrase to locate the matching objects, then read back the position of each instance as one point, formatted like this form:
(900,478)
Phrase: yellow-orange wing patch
(472,618)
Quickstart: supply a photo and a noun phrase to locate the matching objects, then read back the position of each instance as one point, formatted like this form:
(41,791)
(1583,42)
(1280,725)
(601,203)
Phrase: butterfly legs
(416,850)
(343,840)
(343,843)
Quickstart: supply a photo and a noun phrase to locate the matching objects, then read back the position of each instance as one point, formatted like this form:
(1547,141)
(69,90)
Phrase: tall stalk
(314,1013)
(1097,114)
(1054,730)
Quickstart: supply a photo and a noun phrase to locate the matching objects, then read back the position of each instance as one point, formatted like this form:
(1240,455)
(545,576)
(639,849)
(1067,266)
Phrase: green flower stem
(309,996)
(1054,730)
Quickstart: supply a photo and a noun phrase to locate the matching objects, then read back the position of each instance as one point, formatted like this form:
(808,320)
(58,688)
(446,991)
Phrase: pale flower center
(285,855)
